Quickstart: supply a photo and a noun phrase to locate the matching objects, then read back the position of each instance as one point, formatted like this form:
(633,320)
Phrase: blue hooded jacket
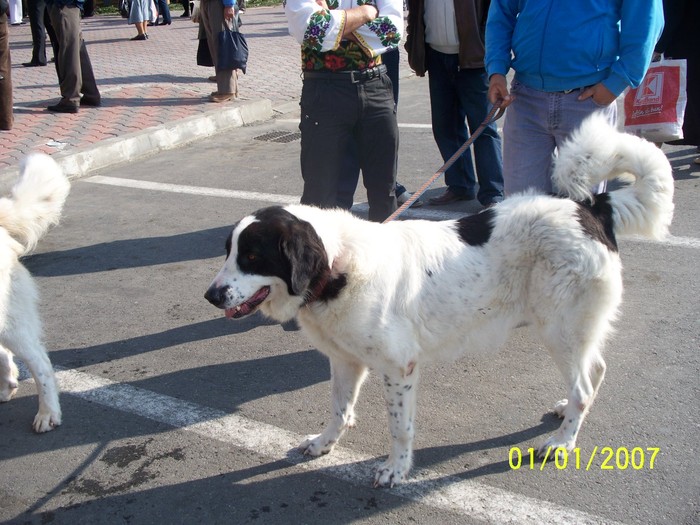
(567,44)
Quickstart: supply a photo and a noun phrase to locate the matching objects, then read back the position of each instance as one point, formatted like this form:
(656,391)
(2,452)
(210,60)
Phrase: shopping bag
(233,49)
(203,54)
(655,109)
(124,8)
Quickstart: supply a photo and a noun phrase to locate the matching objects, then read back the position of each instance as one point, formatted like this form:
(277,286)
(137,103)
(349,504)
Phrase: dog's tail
(598,152)
(36,201)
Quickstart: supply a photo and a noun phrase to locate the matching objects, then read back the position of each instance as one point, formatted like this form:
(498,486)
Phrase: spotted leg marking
(400,391)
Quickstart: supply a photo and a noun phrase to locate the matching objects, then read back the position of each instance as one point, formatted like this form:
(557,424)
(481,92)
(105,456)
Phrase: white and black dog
(35,204)
(391,297)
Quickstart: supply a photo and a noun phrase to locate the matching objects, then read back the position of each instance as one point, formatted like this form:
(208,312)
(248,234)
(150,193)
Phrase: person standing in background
(217,15)
(571,59)
(16,12)
(142,12)
(164,11)
(347,101)
(446,39)
(73,66)
(37,11)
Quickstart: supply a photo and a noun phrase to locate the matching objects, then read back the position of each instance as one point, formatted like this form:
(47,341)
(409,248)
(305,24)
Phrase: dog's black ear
(306,253)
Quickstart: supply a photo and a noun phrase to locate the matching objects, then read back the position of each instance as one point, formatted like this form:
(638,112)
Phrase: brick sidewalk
(144,84)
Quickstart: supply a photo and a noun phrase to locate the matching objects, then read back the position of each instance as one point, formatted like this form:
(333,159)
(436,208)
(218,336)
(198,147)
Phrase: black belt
(362,75)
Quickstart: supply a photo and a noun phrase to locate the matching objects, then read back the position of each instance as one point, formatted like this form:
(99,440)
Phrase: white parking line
(466,497)
(274,198)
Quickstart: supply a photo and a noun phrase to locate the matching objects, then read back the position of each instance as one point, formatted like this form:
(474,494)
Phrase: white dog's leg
(30,349)
(400,391)
(346,380)
(584,382)
(8,376)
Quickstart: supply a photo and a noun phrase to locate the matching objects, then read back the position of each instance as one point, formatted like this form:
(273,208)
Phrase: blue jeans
(536,123)
(457,95)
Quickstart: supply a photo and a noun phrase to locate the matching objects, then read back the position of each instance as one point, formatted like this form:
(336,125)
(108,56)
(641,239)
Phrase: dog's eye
(252,257)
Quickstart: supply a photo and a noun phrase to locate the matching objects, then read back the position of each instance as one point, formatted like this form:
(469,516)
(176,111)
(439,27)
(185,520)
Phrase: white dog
(35,204)
(391,297)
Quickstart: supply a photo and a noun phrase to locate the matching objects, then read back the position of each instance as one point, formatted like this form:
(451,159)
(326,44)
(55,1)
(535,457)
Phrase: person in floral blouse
(347,98)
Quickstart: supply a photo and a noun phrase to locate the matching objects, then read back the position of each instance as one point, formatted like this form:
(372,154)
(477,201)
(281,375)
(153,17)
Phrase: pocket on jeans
(599,106)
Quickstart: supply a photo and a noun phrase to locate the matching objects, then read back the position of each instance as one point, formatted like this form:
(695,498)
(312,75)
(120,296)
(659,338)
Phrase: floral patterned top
(320,31)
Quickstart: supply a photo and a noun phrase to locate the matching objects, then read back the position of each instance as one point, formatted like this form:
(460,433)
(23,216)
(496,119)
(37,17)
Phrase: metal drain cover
(279,136)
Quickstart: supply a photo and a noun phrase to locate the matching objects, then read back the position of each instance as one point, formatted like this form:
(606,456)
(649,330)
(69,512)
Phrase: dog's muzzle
(216,295)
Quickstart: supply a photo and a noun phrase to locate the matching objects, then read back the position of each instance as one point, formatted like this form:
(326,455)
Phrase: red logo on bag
(651,91)
(645,105)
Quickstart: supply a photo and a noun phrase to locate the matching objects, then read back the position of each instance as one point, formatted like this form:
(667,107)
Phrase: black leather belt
(355,77)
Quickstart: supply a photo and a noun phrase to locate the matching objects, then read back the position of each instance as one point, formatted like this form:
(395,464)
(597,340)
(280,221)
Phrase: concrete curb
(79,163)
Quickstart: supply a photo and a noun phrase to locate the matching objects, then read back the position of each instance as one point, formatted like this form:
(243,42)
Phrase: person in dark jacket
(75,75)
(446,40)
(681,39)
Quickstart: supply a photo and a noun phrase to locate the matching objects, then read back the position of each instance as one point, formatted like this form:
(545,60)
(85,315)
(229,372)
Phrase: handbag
(124,8)
(233,48)
(656,108)
(203,54)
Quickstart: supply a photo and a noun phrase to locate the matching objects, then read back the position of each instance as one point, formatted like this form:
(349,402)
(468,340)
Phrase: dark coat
(471,25)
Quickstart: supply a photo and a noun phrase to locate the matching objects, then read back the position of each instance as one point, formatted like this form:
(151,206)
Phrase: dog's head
(275,262)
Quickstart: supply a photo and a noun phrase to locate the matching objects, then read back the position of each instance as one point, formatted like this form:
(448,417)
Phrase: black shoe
(63,108)
(185,15)
(448,198)
(32,64)
(140,37)
(94,102)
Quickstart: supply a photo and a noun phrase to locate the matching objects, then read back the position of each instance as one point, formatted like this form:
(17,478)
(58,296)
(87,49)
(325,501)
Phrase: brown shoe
(448,197)
(212,78)
(221,97)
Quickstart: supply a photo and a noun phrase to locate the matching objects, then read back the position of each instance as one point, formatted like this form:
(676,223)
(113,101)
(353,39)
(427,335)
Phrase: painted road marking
(466,497)
(682,242)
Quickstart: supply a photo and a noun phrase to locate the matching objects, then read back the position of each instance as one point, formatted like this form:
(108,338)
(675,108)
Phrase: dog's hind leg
(33,353)
(583,381)
(400,390)
(346,379)
(8,376)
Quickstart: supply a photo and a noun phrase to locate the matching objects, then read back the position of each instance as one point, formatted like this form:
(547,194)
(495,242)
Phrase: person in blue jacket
(571,59)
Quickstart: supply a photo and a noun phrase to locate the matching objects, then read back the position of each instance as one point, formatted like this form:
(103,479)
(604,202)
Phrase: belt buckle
(355,77)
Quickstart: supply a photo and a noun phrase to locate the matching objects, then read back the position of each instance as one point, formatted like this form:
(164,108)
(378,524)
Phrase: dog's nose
(216,295)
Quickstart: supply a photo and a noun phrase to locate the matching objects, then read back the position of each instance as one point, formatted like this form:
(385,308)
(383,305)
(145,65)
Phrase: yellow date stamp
(600,458)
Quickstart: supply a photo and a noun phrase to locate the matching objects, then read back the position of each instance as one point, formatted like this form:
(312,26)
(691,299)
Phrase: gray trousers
(212,13)
(73,65)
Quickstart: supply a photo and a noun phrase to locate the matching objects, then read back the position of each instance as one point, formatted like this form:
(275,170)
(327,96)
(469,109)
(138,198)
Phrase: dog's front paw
(555,445)
(390,473)
(45,421)
(316,446)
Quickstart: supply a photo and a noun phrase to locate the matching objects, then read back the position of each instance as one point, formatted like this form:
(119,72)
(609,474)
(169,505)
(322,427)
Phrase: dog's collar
(317,291)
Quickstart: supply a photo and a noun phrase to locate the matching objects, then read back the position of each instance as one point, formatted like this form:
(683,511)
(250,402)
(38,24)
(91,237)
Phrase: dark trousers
(459,97)
(37,11)
(164,10)
(73,64)
(338,116)
(350,168)
(6,116)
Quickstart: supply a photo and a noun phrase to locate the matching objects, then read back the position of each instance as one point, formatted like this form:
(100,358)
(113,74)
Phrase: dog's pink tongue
(239,311)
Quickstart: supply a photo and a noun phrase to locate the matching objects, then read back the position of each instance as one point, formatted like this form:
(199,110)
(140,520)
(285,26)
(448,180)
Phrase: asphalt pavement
(174,414)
